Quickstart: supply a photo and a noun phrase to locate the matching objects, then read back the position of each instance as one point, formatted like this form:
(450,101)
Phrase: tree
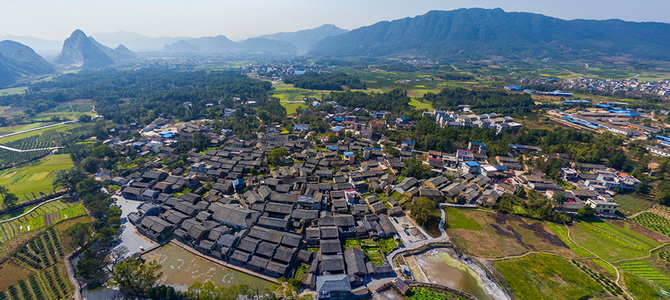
(423,210)
(8,198)
(586,212)
(414,167)
(277,155)
(136,278)
(79,234)
(68,178)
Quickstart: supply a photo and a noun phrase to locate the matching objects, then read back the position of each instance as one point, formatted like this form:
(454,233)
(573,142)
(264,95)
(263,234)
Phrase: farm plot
(653,221)
(39,217)
(494,235)
(46,278)
(542,276)
(30,181)
(645,270)
(611,240)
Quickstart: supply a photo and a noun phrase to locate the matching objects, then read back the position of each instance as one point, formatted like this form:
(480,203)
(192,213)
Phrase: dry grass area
(499,235)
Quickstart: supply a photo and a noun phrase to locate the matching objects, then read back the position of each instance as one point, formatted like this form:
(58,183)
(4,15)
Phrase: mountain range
(488,33)
(305,39)
(283,43)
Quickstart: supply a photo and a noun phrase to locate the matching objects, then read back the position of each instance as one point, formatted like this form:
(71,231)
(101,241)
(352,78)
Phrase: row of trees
(325,81)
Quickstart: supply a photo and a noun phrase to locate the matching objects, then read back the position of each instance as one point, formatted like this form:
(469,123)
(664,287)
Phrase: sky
(238,19)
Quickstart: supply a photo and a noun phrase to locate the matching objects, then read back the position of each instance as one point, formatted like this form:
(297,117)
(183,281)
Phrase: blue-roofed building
(478,147)
(336,129)
(348,153)
(299,72)
(513,88)
(471,167)
(332,148)
(407,146)
(576,101)
(166,134)
(662,137)
(604,105)
(301,127)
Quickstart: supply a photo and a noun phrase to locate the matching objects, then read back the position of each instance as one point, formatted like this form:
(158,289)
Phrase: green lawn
(34,178)
(541,276)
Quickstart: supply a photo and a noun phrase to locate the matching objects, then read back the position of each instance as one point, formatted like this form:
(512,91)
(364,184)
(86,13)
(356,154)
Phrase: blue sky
(56,19)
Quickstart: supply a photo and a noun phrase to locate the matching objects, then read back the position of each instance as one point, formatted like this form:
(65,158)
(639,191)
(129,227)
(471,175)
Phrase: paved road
(28,150)
(415,245)
(31,210)
(34,129)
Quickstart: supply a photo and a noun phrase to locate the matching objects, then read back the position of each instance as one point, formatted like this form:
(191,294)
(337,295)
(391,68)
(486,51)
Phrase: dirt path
(651,252)
(618,274)
(644,211)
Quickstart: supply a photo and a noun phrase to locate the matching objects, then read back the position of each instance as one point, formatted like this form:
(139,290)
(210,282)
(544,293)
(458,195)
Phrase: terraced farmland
(645,270)
(42,256)
(653,222)
(41,217)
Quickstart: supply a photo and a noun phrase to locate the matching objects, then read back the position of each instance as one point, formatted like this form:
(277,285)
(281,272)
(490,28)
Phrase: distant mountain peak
(82,51)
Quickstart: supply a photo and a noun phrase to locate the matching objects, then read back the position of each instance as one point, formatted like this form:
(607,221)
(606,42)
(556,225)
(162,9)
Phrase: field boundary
(31,210)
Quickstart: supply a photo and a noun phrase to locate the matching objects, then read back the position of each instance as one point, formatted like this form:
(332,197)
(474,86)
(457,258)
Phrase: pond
(440,267)
(182,268)
(130,238)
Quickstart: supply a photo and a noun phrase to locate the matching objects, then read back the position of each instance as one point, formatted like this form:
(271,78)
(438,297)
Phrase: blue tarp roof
(348,153)
(472,163)
(408,143)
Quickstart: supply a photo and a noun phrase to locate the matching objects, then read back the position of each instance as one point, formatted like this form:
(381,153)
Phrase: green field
(654,222)
(611,241)
(631,203)
(44,215)
(59,128)
(17,128)
(541,276)
(35,270)
(34,178)
(646,270)
(13,91)
(643,289)
(456,219)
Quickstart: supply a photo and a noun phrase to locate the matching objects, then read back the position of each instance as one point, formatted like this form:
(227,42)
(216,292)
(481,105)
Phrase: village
(270,212)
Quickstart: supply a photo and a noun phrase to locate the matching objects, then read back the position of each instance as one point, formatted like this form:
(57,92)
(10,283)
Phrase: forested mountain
(305,39)
(81,51)
(493,33)
(18,60)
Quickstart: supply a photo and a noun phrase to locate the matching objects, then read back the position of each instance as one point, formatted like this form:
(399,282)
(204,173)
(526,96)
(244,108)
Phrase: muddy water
(441,268)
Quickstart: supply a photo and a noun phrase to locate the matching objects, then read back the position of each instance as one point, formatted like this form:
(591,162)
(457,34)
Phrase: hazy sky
(56,19)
